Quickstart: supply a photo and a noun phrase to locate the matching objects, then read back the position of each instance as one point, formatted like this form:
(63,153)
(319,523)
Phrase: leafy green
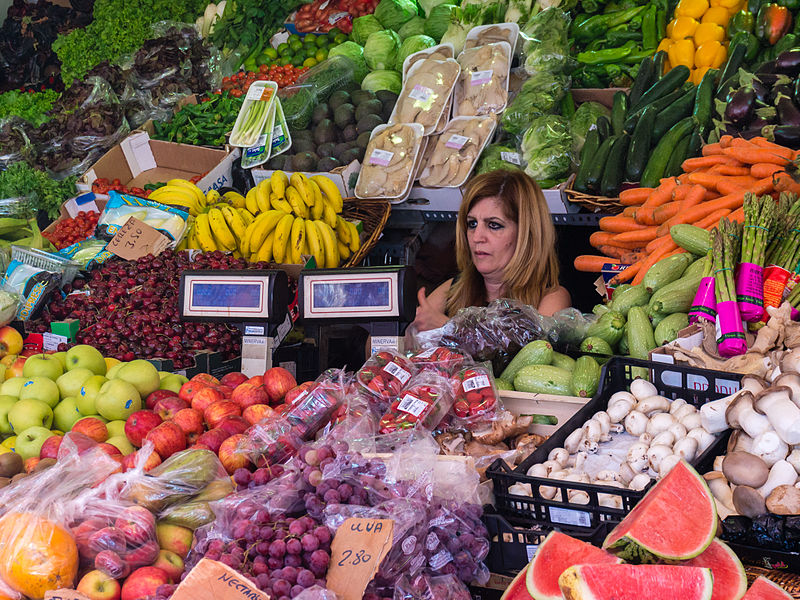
(410,45)
(428,5)
(382,80)
(540,94)
(363,27)
(546,44)
(381,48)
(584,118)
(416,26)
(31,107)
(518,11)
(547,148)
(20,180)
(394,13)
(438,21)
(356,54)
(247,25)
(492,159)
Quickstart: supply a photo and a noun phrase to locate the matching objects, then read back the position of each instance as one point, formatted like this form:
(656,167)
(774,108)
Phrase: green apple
(162,374)
(88,393)
(116,428)
(117,400)
(142,374)
(12,387)
(71,382)
(40,388)
(86,357)
(62,358)
(6,402)
(114,371)
(66,414)
(42,365)
(30,413)
(29,441)
(173,382)
(122,443)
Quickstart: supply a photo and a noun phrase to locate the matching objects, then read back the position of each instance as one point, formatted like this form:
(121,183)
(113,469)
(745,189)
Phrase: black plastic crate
(696,386)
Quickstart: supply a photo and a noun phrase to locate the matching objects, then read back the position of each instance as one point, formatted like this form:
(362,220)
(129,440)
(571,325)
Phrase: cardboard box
(340,176)
(65,211)
(688,338)
(138,160)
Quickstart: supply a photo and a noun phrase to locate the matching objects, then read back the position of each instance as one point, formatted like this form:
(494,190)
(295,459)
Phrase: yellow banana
(280,204)
(235,223)
(263,225)
(190,187)
(205,238)
(330,190)
(281,240)
(264,253)
(344,251)
(317,207)
(179,201)
(251,202)
(183,244)
(212,197)
(193,244)
(235,199)
(329,245)
(354,243)
(170,194)
(278,182)
(342,230)
(297,239)
(246,215)
(300,183)
(329,214)
(305,251)
(262,196)
(315,243)
(298,206)
(222,233)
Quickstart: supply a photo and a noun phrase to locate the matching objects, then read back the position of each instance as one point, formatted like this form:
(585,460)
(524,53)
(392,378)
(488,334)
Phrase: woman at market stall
(505,247)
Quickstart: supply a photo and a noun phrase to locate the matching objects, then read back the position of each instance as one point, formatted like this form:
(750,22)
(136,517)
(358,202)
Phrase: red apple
(129,461)
(118,458)
(233,425)
(198,446)
(257,412)
(30,463)
(256,380)
(167,407)
(298,392)
(50,447)
(231,456)
(137,524)
(96,585)
(139,425)
(143,555)
(93,428)
(278,381)
(167,439)
(109,449)
(219,410)
(233,379)
(191,438)
(143,582)
(205,398)
(112,564)
(107,538)
(205,378)
(170,563)
(84,530)
(190,388)
(77,442)
(190,420)
(213,438)
(154,397)
(174,538)
(225,390)
(247,394)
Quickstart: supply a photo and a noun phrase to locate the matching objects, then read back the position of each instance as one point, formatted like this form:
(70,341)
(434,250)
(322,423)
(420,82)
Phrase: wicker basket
(373,215)
(788,581)
(592,203)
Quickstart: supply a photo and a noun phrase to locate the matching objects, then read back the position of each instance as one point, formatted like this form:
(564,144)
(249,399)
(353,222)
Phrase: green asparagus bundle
(726,243)
(759,215)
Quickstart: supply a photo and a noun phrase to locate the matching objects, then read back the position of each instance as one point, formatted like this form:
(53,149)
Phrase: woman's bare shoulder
(555,301)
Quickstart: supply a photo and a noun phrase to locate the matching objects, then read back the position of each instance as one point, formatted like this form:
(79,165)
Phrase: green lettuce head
(356,54)
(381,49)
(411,45)
(584,118)
(383,80)
(393,14)
(547,148)
(438,21)
(363,27)
(416,26)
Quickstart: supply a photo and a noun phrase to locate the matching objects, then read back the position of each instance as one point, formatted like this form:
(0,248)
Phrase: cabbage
(381,48)
(416,26)
(428,5)
(547,148)
(363,27)
(355,53)
(456,35)
(492,159)
(394,13)
(438,21)
(583,120)
(540,94)
(382,80)
(413,44)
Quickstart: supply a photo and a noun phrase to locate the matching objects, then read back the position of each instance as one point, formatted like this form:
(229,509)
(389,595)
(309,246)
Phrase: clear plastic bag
(33,285)
(170,221)
(10,302)
(447,361)
(541,93)
(476,396)
(457,541)
(385,374)
(421,404)
(545,43)
(316,592)
(15,143)
(81,94)
(482,88)
(425,587)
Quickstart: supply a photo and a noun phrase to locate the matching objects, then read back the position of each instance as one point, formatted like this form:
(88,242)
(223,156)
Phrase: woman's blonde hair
(533,270)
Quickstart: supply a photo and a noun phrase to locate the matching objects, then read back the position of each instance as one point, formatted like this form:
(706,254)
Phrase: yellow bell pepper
(711,54)
(664,44)
(718,15)
(682,53)
(733,5)
(708,32)
(683,27)
(692,8)
(698,73)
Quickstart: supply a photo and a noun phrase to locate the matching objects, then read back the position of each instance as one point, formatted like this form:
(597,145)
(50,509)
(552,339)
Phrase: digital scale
(381,300)
(256,302)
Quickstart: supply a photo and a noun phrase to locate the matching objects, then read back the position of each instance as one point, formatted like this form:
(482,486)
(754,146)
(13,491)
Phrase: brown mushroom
(741,468)
(736,407)
(748,502)
(783,414)
(784,500)
(754,384)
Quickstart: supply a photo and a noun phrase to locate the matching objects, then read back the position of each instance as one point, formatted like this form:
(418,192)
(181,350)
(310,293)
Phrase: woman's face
(492,237)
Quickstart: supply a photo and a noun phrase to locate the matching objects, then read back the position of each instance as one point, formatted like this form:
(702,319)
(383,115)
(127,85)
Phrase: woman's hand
(429,316)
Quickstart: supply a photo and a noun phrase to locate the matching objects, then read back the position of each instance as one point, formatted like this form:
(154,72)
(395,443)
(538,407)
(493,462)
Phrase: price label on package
(481,77)
(412,405)
(136,239)
(381,157)
(512,157)
(259,93)
(357,550)
(456,142)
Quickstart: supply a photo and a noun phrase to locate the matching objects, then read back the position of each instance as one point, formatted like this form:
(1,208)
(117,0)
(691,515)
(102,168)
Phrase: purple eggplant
(741,107)
(749,133)
(760,122)
(779,90)
(782,134)
(788,63)
(767,67)
(769,78)
(788,113)
(761,91)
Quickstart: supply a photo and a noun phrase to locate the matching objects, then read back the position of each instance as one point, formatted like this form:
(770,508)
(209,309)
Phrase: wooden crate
(560,407)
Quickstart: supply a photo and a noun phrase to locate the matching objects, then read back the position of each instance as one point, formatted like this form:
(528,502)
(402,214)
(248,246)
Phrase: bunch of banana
(182,194)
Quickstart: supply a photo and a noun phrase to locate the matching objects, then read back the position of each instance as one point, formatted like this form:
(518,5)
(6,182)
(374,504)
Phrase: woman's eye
(495,225)
(471,223)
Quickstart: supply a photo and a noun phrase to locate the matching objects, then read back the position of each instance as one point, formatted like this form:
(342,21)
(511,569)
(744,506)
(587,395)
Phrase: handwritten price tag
(357,550)
(136,239)
(212,580)
(64,595)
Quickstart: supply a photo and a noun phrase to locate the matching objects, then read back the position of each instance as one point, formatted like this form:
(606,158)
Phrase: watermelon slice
(676,520)
(557,552)
(730,581)
(517,590)
(764,589)
(636,582)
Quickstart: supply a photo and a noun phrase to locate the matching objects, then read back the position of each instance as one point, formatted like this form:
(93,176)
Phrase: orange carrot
(782,151)
(705,162)
(681,192)
(725,140)
(729,170)
(704,178)
(683,178)
(711,194)
(630,211)
(695,196)
(739,142)
(626,275)
(667,246)
(730,201)
(603,238)
(761,170)
(730,185)
(754,154)
(590,263)
(737,215)
(634,196)
(642,236)
(785,183)
(622,254)
(617,224)
(662,194)
(665,212)
(712,219)
(712,149)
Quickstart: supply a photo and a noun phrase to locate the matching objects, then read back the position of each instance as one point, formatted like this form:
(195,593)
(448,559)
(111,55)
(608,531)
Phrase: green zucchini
(697,268)
(704,101)
(644,79)
(667,330)
(538,352)
(544,379)
(666,271)
(597,166)
(678,155)
(691,238)
(657,107)
(597,346)
(640,334)
(603,127)
(656,319)
(659,157)
(502,384)
(674,297)
(695,144)
(562,361)
(731,68)
(639,148)
(619,112)
(585,377)
(614,171)
(622,348)
(600,309)
(635,295)
(588,152)
(681,108)
(608,326)
(668,83)
(659,58)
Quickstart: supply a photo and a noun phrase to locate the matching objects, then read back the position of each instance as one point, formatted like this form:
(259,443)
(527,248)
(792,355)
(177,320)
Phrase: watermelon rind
(636,582)
(638,548)
(764,589)
(517,589)
(557,552)
(730,580)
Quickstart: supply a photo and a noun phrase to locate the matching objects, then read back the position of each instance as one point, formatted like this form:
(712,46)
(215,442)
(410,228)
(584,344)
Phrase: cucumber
(623,341)
(596,345)
(668,83)
(680,109)
(608,326)
(614,171)
(635,295)
(589,150)
(678,155)
(659,157)
(538,352)
(640,334)
(704,101)
(585,377)
(502,384)
(619,112)
(562,361)
(657,106)
(667,330)
(674,297)
(659,58)
(639,148)
(603,127)
(697,268)
(544,379)
(666,271)
(695,144)
(644,79)
(655,320)
(597,165)
(735,59)
(691,238)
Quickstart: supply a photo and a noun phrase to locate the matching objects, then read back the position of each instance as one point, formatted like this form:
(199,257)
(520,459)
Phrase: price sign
(136,239)
(64,595)
(212,580)
(357,550)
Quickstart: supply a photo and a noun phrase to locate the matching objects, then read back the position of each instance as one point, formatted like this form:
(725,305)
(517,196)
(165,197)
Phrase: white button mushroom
(643,389)
(653,405)
(704,439)
(667,464)
(678,431)
(619,410)
(676,404)
(637,457)
(646,438)
(538,470)
(656,453)
(621,396)
(686,448)
(639,482)
(659,422)
(636,423)
(560,455)
(769,447)
(573,441)
(691,421)
(781,473)
(665,438)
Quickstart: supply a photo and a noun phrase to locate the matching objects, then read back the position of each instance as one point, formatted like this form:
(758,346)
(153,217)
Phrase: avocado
(340,149)
(328,164)
(338,98)
(386,112)
(361,96)
(370,107)
(277,162)
(368,123)
(325,131)
(349,133)
(386,96)
(344,115)
(302,134)
(351,155)
(304,161)
(304,145)
(321,111)
(363,139)
(326,149)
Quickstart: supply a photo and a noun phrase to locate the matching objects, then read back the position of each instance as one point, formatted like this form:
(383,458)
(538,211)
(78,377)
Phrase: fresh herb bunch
(31,107)
(20,179)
